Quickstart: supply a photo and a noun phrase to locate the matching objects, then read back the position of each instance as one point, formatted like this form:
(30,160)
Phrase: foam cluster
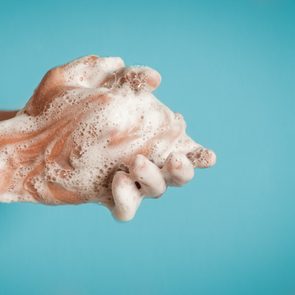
(94,132)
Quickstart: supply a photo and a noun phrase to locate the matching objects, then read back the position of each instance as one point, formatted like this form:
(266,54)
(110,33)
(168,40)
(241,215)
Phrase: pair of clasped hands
(143,176)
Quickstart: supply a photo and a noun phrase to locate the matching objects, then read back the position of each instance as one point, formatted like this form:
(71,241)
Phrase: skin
(5,115)
(52,168)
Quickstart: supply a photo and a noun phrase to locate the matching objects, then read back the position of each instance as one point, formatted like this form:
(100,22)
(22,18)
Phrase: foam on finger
(149,177)
(137,78)
(202,158)
(177,169)
(127,197)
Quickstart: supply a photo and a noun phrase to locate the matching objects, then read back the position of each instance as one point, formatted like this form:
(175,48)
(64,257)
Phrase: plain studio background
(228,67)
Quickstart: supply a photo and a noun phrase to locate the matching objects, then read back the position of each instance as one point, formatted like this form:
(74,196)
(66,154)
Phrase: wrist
(5,115)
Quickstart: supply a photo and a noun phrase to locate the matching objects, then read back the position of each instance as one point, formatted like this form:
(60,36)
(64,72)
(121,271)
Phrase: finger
(202,158)
(137,78)
(177,169)
(127,197)
(148,177)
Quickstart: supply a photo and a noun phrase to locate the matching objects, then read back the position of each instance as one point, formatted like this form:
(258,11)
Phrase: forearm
(5,115)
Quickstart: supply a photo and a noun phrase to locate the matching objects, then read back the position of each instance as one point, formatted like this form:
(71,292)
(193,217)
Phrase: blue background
(228,67)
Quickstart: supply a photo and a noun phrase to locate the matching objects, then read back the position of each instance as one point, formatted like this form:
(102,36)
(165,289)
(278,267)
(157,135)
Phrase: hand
(94,132)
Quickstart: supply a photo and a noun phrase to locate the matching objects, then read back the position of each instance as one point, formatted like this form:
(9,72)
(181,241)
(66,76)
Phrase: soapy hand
(94,132)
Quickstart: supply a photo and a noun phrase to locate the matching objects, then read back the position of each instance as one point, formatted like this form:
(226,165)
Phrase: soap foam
(84,135)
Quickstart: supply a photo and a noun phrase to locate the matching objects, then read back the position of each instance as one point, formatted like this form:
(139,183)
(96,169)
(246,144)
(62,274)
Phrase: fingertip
(126,197)
(178,169)
(122,216)
(142,78)
(153,78)
(202,158)
(213,158)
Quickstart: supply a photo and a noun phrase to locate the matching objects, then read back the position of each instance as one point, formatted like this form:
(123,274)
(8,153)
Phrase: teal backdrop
(228,67)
